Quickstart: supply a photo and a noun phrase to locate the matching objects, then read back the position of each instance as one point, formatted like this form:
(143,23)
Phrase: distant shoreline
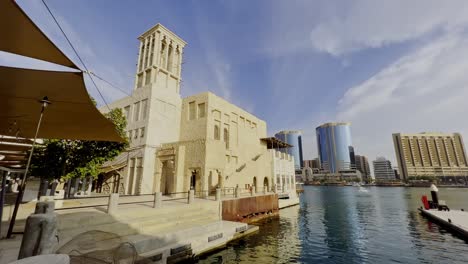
(392,186)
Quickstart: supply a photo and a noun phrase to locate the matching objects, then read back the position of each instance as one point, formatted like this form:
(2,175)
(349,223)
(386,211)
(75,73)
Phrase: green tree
(63,158)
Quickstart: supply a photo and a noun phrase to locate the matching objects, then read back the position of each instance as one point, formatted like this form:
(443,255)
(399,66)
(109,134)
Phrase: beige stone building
(153,110)
(220,146)
(200,142)
(431,154)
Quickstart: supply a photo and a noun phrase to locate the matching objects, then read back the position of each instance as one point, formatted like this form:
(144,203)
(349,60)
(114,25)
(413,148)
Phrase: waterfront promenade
(152,231)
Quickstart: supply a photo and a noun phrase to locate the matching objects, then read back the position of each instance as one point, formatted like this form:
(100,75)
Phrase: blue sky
(384,66)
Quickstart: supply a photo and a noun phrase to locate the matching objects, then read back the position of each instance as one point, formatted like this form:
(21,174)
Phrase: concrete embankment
(291,201)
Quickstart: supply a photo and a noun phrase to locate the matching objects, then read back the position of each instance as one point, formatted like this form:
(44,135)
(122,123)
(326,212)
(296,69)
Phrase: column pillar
(166,54)
(283,180)
(191,196)
(157,200)
(140,62)
(157,46)
(204,182)
(179,69)
(157,175)
(145,56)
(179,165)
(113,203)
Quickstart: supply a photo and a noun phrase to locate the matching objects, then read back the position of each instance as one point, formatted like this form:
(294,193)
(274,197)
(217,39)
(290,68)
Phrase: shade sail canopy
(118,162)
(71,114)
(21,36)
(15,170)
(13,152)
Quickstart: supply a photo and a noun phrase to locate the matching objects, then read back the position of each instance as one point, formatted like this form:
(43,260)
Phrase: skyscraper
(362,165)
(294,138)
(335,149)
(383,170)
(431,154)
(313,164)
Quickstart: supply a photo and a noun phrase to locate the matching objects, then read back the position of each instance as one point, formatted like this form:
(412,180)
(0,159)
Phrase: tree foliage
(63,158)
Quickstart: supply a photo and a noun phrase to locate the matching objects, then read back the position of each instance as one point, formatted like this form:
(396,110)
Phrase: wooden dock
(453,220)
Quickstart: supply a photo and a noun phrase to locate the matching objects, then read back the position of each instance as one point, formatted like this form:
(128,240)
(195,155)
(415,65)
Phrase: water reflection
(344,225)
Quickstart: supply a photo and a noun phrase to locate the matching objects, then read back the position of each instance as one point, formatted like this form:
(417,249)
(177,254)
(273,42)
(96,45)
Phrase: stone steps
(197,236)
(169,216)
(160,228)
(125,229)
(146,221)
(167,242)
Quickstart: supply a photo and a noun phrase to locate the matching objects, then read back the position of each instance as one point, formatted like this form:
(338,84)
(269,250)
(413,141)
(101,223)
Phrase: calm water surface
(345,225)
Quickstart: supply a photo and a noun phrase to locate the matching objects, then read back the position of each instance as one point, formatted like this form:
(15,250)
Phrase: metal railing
(157,198)
(184,195)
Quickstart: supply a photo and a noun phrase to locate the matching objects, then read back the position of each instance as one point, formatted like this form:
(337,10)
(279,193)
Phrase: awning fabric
(273,143)
(16,157)
(71,115)
(118,162)
(21,36)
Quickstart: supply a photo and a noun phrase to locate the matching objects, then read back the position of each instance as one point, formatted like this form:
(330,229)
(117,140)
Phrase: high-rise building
(293,138)
(335,149)
(431,154)
(383,170)
(313,164)
(362,165)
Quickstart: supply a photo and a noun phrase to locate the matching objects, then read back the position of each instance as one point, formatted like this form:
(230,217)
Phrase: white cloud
(425,90)
(370,24)
(221,71)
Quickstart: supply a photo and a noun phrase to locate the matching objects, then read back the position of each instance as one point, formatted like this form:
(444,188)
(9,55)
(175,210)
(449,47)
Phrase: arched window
(216,132)
(226,137)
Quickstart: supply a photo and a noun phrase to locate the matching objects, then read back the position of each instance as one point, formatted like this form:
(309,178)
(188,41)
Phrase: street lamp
(44,103)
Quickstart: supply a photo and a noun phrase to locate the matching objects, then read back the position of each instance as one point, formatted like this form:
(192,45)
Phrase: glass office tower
(335,149)
(293,138)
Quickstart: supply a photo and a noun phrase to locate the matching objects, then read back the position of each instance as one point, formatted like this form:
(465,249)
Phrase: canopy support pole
(2,196)
(45,102)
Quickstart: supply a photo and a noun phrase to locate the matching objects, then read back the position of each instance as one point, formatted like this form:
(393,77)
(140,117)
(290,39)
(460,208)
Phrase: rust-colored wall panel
(241,209)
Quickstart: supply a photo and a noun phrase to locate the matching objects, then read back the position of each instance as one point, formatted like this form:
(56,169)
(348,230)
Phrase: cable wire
(112,85)
(76,52)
